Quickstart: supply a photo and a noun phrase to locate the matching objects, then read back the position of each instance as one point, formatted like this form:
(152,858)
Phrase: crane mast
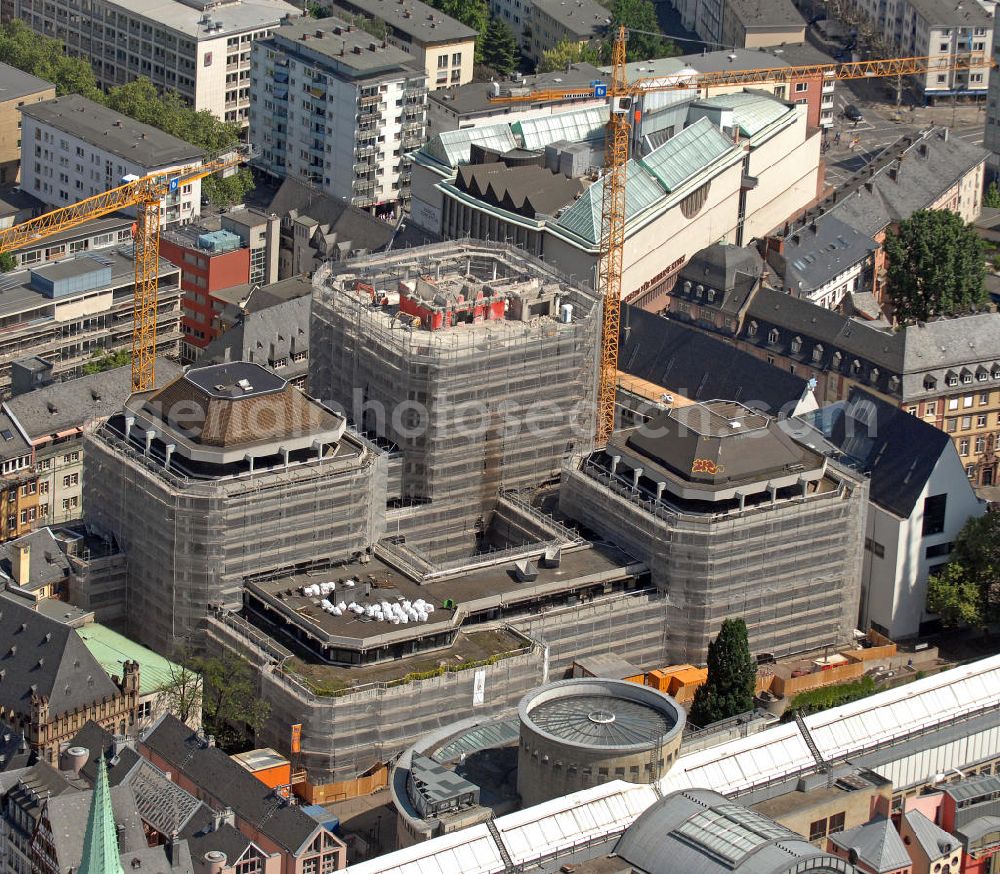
(145,195)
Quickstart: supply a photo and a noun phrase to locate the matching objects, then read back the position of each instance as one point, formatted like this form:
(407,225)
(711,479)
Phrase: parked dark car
(852,113)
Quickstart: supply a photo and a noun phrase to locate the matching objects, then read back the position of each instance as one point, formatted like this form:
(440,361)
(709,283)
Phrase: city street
(879,128)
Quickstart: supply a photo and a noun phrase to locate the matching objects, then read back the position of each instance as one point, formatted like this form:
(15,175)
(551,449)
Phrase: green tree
(45,57)
(732,675)
(955,597)
(7,262)
(182,693)
(500,48)
(636,16)
(977,550)
(936,266)
(231,706)
(472,13)
(315,10)
(226,191)
(991,199)
(564,53)
(107,361)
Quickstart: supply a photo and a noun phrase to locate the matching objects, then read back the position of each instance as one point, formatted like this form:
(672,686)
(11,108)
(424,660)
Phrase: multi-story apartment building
(73,148)
(67,312)
(444,47)
(53,420)
(209,261)
(550,22)
(751,24)
(17,89)
(333,107)
(19,485)
(194,48)
(939,28)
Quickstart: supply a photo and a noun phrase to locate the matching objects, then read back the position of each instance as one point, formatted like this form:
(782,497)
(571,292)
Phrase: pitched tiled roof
(209,767)
(39,656)
(877,844)
(934,840)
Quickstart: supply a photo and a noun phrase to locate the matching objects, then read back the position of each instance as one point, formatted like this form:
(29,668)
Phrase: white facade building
(199,49)
(73,148)
(334,108)
(920,497)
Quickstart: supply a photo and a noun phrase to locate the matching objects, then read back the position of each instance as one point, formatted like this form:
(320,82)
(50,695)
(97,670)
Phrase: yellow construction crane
(622,96)
(146,194)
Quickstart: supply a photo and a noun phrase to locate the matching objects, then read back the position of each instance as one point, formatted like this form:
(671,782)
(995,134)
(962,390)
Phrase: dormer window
(818,352)
(773,336)
(893,383)
(930,382)
(873,376)
(796,345)
(966,377)
(855,367)
(687,286)
(952,378)
(699,291)
(837,358)
(752,329)
(711,295)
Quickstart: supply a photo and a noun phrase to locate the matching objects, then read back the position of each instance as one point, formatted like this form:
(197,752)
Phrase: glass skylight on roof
(575,126)
(453,147)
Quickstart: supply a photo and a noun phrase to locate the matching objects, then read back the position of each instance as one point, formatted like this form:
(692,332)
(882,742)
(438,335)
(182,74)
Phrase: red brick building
(210,261)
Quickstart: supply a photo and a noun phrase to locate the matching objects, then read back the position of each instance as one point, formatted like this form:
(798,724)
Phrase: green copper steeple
(100,845)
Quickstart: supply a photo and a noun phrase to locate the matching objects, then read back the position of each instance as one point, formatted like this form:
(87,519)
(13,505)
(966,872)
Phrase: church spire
(100,844)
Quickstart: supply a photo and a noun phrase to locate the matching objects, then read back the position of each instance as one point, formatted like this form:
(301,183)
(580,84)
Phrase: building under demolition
(477,362)
(734,518)
(227,471)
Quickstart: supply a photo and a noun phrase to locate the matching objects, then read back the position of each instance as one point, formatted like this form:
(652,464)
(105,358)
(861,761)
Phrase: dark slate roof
(699,367)
(113,132)
(728,273)
(818,253)
(766,13)
(203,833)
(527,190)
(209,767)
(73,403)
(67,814)
(32,787)
(877,844)
(423,23)
(890,189)
(46,562)
(898,451)
(15,752)
(754,450)
(826,340)
(934,840)
(353,228)
(41,656)
(12,441)
(96,740)
(16,83)
(282,327)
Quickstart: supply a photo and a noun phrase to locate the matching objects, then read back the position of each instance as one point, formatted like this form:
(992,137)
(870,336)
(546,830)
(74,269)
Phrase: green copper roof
(686,154)
(100,843)
(112,649)
(648,180)
(751,112)
(583,218)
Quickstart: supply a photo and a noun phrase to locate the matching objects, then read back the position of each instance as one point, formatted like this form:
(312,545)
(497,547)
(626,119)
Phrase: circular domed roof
(592,712)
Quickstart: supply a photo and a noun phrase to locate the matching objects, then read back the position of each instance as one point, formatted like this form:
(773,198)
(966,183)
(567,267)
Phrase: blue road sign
(601,90)
(173,184)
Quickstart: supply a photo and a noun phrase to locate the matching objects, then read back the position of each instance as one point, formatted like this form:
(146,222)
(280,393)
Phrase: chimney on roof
(174,850)
(22,563)
(813,228)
